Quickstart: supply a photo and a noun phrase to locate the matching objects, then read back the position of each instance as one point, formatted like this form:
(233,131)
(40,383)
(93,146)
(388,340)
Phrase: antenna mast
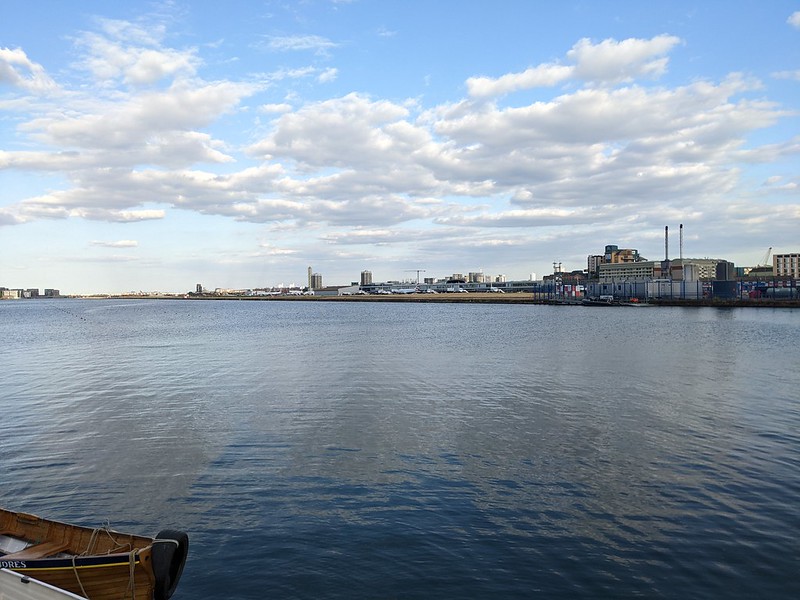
(417,271)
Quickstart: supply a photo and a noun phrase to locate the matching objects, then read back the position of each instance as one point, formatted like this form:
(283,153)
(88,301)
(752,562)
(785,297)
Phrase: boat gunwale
(23,527)
(72,562)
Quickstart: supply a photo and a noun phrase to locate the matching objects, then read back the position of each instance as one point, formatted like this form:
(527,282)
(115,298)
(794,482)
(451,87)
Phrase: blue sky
(156,145)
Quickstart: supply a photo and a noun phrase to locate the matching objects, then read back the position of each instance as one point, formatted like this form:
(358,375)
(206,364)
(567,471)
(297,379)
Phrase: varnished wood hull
(99,578)
(100,564)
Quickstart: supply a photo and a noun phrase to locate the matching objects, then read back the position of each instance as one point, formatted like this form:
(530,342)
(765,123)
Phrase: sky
(152,146)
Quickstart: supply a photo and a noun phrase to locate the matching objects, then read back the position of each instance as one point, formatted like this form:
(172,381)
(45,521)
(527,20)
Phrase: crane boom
(766,257)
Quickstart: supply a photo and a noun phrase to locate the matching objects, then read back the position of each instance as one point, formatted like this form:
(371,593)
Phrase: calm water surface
(342,450)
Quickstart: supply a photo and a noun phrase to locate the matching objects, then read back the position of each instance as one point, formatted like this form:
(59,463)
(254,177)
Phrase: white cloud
(337,133)
(794,19)
(541,76)
(532,217)
(328,75)
(152,127)
(115,244)
(17,70)
(143,34)
(353,161)
(10,217)
(611,61)
(795,75)
(300,42)
(368,173)
(578,148)
(125,216)
(271,250)
(133,55)
(275,108)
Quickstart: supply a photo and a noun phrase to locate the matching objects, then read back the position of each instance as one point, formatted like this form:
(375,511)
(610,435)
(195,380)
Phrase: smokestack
(681,238)
(666,242)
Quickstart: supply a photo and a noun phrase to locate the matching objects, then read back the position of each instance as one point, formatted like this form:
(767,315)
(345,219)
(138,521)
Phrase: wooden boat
(14,586)
(99,563)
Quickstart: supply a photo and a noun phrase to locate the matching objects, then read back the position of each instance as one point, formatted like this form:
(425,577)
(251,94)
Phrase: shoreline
(470,298)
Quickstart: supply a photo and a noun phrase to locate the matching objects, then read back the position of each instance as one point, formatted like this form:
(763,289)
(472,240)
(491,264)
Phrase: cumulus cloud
(593,146)
(540,76)
(609,62)
(149,127)
(794,19)
(365,171)
(123,216)
(17,70)
(9,217)
(339,133)
(133,54)
(354,161)
(328,75)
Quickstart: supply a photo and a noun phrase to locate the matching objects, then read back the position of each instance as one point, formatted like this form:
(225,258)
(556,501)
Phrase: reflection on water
(416,451)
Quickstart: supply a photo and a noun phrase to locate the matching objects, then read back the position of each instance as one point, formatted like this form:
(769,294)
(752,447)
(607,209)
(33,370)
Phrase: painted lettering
(12,564)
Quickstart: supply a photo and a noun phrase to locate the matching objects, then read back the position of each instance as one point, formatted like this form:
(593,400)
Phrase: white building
(609,272)
(786,265)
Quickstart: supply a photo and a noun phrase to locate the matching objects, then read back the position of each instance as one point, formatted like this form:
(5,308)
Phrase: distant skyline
(157,145)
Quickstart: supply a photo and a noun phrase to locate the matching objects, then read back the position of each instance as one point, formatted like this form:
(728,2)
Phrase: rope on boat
(92,544)
(131,568)
(132,576)
(78,577)
(93,540)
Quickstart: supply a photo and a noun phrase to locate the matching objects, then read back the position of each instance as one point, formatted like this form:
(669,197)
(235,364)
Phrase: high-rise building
(593,264)
(366,277)
(786,265)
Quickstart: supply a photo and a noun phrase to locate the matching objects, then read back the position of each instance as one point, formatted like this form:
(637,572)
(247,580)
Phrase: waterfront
(548,298)
(404,450)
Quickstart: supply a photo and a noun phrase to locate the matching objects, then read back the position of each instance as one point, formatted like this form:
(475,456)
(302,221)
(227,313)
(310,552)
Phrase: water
(371,450)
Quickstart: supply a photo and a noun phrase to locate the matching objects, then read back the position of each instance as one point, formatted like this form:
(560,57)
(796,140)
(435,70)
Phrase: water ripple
(319,450)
